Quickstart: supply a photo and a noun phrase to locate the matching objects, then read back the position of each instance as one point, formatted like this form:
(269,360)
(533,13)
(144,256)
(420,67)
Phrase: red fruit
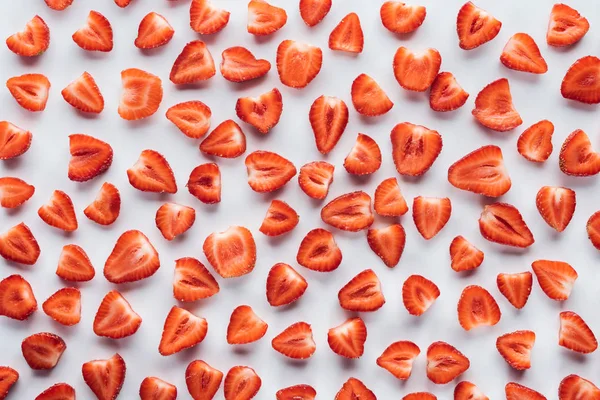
(418,294)
(348,339)
(389,201)
(191,117)
(202,380)
(297,392)
(515,348)
(122,3)
(59,391)
(153,388)
(574,387)
(398,358)
(268,171)
(74,265)
(494,108)
(241,383)
(476,307)
(30,91)
(328,119)
(106,207)
(240,65)
(502,223)
(349,212)
(319,251)
(58,5)
(369,98)
(362,293)
(280,219)
(592,227)
(464,255)
(482,171)
(154,31)
(42,351)
(14,192)
(262,112)
(64,306)
(152,173)
(364,158)
(192,281)
(347,35)
(105,377)
(535,143)
(173,219)
(430,215)
(446,94)
(89,157)
(315,178)
(84,94)
(467,391)
(16,298)
(141,96)
(416,71)
(515,287)
(313,11)
(264,18)
(245,326)
(8,377)
(204,183)
(445,363)
(19,245)
(59,212)
(295,342)
(566,27)
(133,258)
(232,253)
(227,140)
(355,389)
(582,81)
(414,148)
(182,330)
(556,278)
(577,157)
(419,396)
(475,26)
(193,64)
(115,318)
(521,53)
(31,41)
(388,243)
(14,141)
(284,285)
(399,17)
(298,63)
(96,35)
(514,391)
(207,19)
(575,334)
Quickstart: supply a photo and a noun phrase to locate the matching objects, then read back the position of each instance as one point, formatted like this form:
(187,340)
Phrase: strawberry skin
(399,17)
(515,287)
(202,380)
(347,35)
(152,173)
(355,389)
(154,31)
(431,214)
(32,41)
(468,391)
(592,227)
(446,94)
(364,158)
(582,81)
(521,53)
(192,118)
(574,387)
(192,281)
(268,171)
(280,219)
(319,252)
(42,351)
(388,243)
(227,140)
(132,259)
(315,178)
(14,192)
(445,363)
(284,285)
(516,347)
(58,5)
(153,388)
(74,264)
(566,27)
(476,307)
(313,11)
(368,97)
(207,19)
(535,143)
(59,212)
(398,359)
(577,157)
(16,298)
(556,278)
(494,108)
(349,212)
(296,392)
(84,94)
(14,141)
(90,157)
(106,207)
(418,294)
(204,183)
(97,35)
(181,330)
(502,223)
(388,200)
(30,91)
(194,64)
(105,377)
(241,383)
(348,339)
(59,391)
(482,171)
(240,65)
(232,253)
(575,334)
(262,112)
(414,148)
(19,245)
(295,342)
(245,326)
(475,26)
(64,306)
(464,255)
(173,219)
(362,293)
(514,391)
(8,377)
(328,118)
(115,318)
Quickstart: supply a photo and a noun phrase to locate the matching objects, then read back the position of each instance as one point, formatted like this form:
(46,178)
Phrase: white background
(535,97)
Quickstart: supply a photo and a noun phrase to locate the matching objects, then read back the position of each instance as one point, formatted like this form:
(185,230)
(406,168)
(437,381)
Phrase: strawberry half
(192,118)
(152,173)
(592,227)
(556,278)
(365,156)
(355,389)
(315,178)
(446,94)
(89,157)
(268,171)
(30,91)
(173,219)
(574,387)
(388,243)
(192,281)
(468,391)
(245,326)
(84,94)
(535,143)
(348,339)
(575,334)
(388,199)
(227,140)
(556,206)
(96,35)
(202,380)
(204,183)
(297,392)
(464,255)
(475,26)
(16,298)
(19,245)
(262,112)
(8,377)
(115,318)
(31,41)
(515,287)
(105,377)
(582,81)
(58,5)
(154,31)
(313,11)
(74,265)
(414,148)
(521,53)
(347,35)
(515,348)
(153,388)
(328,119)
(232,253)
(14,141)
(280,219)
(319,251)
(445,363)
(241,383)
(362,293)
(14,192)
(264,18)
(514,391)
(240,65)
(284,285)
(105,208)
(494,108)
(59,391)
(296,341)
(431,214)
(368,97)
(416,71)
(399,17)
(482,171)
(141,95)
(132,259)
(42,351)
(182,330)
(193,64)
(502,223)
(59,212)
(298,63)
(64,306)
(418,294)
(476,307)
(566,27)
(122,3)
(349,212)
(207,19)
(577,157)
(398,358)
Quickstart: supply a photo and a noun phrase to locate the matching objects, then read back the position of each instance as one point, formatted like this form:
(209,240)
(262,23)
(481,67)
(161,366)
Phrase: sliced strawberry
(355,389)
(30,91)
(194,64)
(418,294)
(574,387)
(349,212)
(8,377)
(74,265)
(514,391)
(347,35)
(227,140)
(96,35)
(420,396)
(241,383)
(482,171)
(268,171)
(515,348)
(245,326)
(556,206)
(446,94)
(115,318)
(58,5)
(502,223)
(348,339)
(154,31)
(122,3)
(42,351)
(31,41)
(19,245)
(204,183)
(475,26)
(182,330)
(494,108)
(313,11)
(556,278)
(592,227)
(566,27)
(64,306)
(319,251)
(328,119)
(464,255)
(398,358)
(535,143)
(577,157)
(362,293)
(297,392)
(89,157)
(298,63)
(173,219)
(106,207)
(414,148)
(232,253)
(207,19)
(264,18)
(388,243)
(240,65)
(399,17)
(315,178)
(284,285)
(431,214)
(191,117)
(141,95)
(296,341)
(369,98)
(468,391)
(202,380)
(262,112)
(445,363)
(59,212)
(416,71)
(14,141)
(16,298)
(192,281)
(521,53)
(365,156)
(14,192)
(515,287)
(84,94)
(152,173)
(280,219)
(575,334)
(59,391)
(389,201)
(105,377)
(582,81)
(476,307)
(153,388)
(132,259)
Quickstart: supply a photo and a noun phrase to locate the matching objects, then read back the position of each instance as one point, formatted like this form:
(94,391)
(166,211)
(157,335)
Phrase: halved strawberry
(8,377)
(476,307)
(207,19)
(420,396)
(574,387)
(475,26)
(362,293)
(349,212)
(173,219)
(105,208)
(182,330)
(192,281)
(515,287)
(133,258)
(566,26)
(414,148)
(284,285)
(240,65)
(280,219)
(58,5)
(122,3)
(64,306)
(42,351)
(416,71)
(365,156)
(319,251)
(227,140)
(431,214)
(16,298)
(582,81)
(19,245)
(74,265)
(556,278)
(204,183)
(315,178)
(202,380)
(262,112)
(514,391)
(96,35)
(515,348)
(575,334)
(388,243)
(30,91)
(400,17)
(59,212)
(445,363)
(482,171)
(535,143)
(347,35)
(388,201)
(355,389)
(115,318)
(14,141)
(298,63)
(152,173)
(494,108)
(84,94)
(153,388)
(418,294)
(193,64)
(502,223)
(521,53)
(398,358)
(328,119)
(592,228)
(296,392)
(264,18)
(313,11)
(464,255)
(232,253)
(556,206)
(368,97)
(577,157)
(105,377)
(154,31)
(31,41)
(59,391)
(191,117)
(245,326)
(14,192)
(241,383)
(348,339)
(268,171)
(466,390)
(296,341)
(141,95)
(89,157)
(446,94)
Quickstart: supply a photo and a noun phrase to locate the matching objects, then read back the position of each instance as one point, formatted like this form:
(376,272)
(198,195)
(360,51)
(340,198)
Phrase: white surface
(535,97)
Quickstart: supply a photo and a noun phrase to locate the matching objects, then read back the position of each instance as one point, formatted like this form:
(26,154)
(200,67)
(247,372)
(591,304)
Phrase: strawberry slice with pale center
(577,157)
(575,334)
(194,64)
(521,53)
(464,255)
(313,11)
(315,178)
(503,224)
(89,157)
(445,363)
(14,141)
(14,192)
(494,108)
(365,156)
(416,71)
(182,330)
(388,199)
(556,206)
(398,17)
(398,358)
(8,377)
(202,380)
(30,91)
(31,41)
(368,97)
(298,63)
(516,347)
(58,5)
(96,35)
(535,143)
(132,259)
(154,31)
(241,383)
(204,183)
(482,171)
(106,207)
(296,392)
(232,253)
(319,252)
(262,112)
(115,317)
(515,391)
(328,118)
(19,245)
(388,243)
(240,65)
(264,18)
(556,278)
(574,387)
(105,377)
(475,26)
(152,173)
(190,117)
(362,293)
(16,298)
(268,171)
(141,95)
(296,341)
(515,287)
(592,227)
(446,94)
(173,219)
(227,140)
(74,264)
(245,326)
(420,396)
(192,281)
(59,391)
(431,214)
(42,351)
(347,35)
(348,339)
(59,212)
(466,390)
(284,285)
(84,94)
(64,306)
(582,81)
(476,307)
(355,389)
(280,219)
(418,294)
(349,212)
(414,148)
(153,388)
(566,27)
(207,19)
